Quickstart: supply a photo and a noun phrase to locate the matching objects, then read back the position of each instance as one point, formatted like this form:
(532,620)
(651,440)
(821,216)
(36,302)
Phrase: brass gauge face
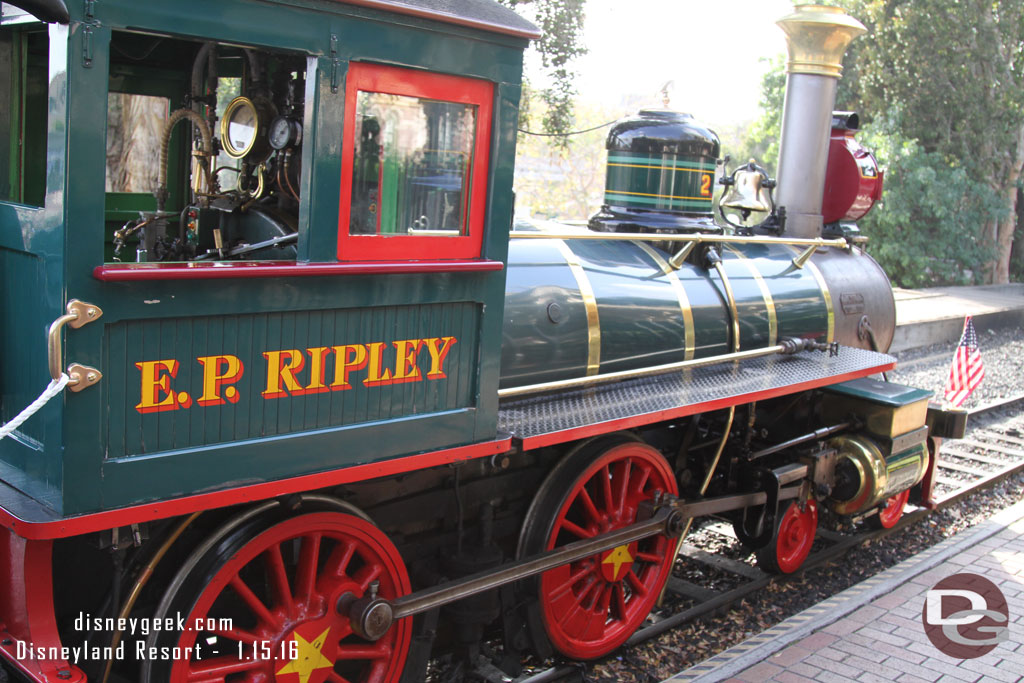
(240,127)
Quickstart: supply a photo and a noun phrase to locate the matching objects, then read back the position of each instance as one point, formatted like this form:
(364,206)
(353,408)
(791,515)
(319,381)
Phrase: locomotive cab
(292,228)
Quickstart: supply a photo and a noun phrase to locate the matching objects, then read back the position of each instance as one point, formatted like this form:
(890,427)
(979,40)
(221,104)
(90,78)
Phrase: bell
(747,192)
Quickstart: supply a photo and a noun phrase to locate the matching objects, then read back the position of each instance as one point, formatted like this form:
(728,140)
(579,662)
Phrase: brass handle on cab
(79,314)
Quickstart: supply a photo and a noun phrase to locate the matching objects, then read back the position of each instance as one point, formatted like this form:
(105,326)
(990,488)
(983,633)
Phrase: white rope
(56,386)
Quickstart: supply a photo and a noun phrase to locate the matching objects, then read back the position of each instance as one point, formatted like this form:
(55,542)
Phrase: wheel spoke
(379,651)
(575,529)
(606,486)
(220,667)
(648,557)
(641,482)
(604,600)
(620,601)
(254,603)
(279,580)
(624,472)
(367,575)
(573,579)
(636,584)
(305,574)
(574,606)
(337,563)
(236,634)
(589,507)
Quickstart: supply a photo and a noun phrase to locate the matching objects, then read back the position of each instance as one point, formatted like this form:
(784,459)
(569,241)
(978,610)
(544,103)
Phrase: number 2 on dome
(705,185)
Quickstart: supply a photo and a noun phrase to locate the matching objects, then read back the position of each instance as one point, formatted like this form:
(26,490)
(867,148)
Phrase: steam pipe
(817,37)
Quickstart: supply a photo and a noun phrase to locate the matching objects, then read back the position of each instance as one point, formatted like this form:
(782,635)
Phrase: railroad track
(714,571)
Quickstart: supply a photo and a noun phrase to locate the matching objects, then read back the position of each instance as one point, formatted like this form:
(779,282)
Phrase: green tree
(953,73)
(930,226)
(561,23)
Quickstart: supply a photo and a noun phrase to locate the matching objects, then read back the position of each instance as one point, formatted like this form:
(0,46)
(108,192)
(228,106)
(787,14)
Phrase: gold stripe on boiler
(590,304)
(769,302)
(684,301)
(826,295)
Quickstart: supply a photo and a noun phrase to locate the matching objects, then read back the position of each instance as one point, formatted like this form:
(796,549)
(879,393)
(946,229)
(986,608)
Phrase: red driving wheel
(268,605)
(590,607)
(793,539)
(891,513)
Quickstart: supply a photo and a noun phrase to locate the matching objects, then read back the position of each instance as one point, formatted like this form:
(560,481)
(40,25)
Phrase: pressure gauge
(284,132)
(243,128)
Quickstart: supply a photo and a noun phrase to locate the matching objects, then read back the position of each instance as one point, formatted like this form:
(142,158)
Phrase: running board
(579,413)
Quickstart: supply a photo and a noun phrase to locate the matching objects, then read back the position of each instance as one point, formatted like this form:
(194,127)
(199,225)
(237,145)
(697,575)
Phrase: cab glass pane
(412,166)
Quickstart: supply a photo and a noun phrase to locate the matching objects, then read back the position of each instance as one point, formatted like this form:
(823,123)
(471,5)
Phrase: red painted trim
(408,82)
(26,608)
(202,270)
(553,438)
(246,494)
(443,16)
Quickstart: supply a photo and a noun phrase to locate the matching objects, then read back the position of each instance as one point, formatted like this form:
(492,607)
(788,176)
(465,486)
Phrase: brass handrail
(78,314)
(700,239)
(642,372)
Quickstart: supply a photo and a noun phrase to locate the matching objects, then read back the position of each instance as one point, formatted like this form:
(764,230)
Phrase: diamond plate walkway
(873,632)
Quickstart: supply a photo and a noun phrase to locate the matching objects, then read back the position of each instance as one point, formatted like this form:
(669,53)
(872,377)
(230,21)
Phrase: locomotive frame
(289,413)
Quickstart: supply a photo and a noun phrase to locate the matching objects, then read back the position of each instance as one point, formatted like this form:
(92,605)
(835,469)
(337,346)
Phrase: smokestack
(817,37)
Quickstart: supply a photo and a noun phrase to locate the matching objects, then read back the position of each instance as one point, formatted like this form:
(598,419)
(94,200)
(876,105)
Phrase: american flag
(967,371)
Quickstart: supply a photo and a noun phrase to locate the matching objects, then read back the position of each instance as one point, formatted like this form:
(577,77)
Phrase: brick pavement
(872,632)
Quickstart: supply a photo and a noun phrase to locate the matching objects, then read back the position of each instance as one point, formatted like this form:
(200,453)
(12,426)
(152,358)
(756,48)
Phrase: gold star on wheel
(309,657)
(618,557)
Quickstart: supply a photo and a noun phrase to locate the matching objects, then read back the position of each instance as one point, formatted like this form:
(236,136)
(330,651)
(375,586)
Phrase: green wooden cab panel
(179,383)
(94,450)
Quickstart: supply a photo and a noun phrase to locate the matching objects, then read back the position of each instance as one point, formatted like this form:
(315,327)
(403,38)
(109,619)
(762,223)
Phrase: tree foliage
(952,72)
(561,23)
(930,227)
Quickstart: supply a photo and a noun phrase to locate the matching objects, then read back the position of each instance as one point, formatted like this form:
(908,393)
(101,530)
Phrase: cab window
(24,83)
(414,175)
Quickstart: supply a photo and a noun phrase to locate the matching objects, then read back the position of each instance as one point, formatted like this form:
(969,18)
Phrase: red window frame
(398,81)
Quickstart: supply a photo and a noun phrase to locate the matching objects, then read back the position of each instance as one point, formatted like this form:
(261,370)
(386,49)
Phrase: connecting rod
(371,616)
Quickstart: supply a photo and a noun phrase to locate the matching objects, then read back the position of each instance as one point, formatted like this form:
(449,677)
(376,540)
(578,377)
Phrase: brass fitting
(817,37)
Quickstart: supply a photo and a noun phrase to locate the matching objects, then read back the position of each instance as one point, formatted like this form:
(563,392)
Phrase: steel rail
(995,405)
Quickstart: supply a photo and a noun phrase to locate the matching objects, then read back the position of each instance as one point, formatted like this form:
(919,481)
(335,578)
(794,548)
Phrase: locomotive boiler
(316,413)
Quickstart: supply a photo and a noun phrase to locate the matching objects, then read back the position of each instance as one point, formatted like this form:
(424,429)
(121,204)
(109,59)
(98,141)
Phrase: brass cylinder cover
(869,464)
(879,476)
(817,37)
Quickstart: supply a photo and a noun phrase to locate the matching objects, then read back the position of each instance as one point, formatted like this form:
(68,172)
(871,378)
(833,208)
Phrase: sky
(710,49)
